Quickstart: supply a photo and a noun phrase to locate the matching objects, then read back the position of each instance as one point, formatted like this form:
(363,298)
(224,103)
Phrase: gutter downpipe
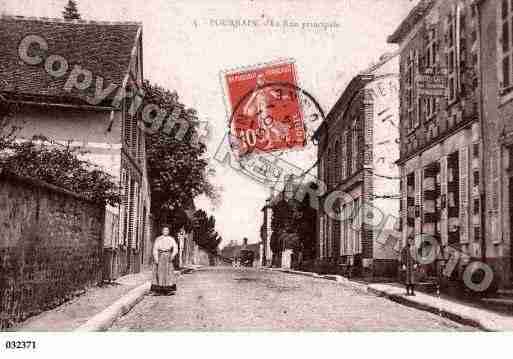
(483,138)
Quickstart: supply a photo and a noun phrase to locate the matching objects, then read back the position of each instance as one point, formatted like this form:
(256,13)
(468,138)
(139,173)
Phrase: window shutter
(404,209)
(464,194)
(350,223)
(343,158)
(127,204)
(133,134)
(329,235)
(458,35)
(342,231)
(416,99)
(418,202)
(321,236)
(135,225)
(358,232)
(443,190)
(355,147)
(349,147)
(123,192)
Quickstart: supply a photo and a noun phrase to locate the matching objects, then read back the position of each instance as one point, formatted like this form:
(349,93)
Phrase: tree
(281,223)
(62,166)
(293,225)
(177,167)
(71,11)
(204,232)
(7,129)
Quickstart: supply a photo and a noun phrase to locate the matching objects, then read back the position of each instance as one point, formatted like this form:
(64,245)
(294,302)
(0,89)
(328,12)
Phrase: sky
(184,51)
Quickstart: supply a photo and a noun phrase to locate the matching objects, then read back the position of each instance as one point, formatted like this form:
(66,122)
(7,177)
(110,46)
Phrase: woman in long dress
(409,266)
(165,249)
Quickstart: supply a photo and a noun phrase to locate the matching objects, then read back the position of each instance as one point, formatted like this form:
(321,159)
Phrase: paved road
(248,299)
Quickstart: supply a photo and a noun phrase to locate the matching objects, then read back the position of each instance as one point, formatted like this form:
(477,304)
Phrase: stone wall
(50,247)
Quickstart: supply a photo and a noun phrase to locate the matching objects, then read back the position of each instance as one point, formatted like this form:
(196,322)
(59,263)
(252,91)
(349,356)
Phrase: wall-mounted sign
(431,85)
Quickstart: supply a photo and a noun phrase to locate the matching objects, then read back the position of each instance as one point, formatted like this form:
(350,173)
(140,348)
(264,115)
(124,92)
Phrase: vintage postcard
(255,166)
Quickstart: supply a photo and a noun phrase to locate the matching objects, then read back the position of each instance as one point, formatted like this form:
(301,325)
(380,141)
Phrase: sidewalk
(465,312)
(79,310)
(98,307)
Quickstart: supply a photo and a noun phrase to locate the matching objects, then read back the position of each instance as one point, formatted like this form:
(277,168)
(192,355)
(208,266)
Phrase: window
(329,236)
(475,150)
(476,178)
(321,235)
(329,170)
(322,172)
(430,52)
(135,224)
(337,162)
(476,206)
(506,43)
(349,151)
(355,152)
(127,201)
(357,212)
(343,157)
(127,122)
(477,234)
(344,230)
(408,88)
(452,56)
(429,107)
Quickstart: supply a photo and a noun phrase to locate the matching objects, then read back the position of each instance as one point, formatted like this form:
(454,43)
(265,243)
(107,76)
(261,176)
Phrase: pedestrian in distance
(409,265)
(165,250)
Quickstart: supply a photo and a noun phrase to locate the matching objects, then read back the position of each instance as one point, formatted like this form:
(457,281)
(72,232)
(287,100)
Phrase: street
(223,298)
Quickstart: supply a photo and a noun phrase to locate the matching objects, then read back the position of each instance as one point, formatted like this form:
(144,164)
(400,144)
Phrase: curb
(457,316)
(104,320)
(452,315)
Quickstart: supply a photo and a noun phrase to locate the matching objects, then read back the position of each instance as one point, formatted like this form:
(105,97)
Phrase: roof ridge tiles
(63,21)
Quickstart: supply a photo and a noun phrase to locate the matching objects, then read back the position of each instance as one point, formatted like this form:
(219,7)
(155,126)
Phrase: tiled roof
(417,13)
(104,48)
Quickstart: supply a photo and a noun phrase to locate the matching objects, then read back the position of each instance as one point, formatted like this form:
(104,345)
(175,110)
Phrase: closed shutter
(354,161)
(129,125)
(328,235)
(349,152)
(343,157)
(415,98)
(464,194)
(443,188)
(133,135)
(350,225)
(126,123)
(321,236)
(128,204)
(342,232)
(136,219)
(358,226)
(404,208)
(418,202)
(329,169)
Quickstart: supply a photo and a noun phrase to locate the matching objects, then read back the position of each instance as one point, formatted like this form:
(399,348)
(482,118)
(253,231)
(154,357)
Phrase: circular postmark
(270,121)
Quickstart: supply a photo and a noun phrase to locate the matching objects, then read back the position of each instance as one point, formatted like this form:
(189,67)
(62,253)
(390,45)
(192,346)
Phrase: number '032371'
(20,344)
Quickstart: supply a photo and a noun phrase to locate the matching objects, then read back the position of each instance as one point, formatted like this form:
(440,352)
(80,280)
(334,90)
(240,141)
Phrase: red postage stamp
(265,108)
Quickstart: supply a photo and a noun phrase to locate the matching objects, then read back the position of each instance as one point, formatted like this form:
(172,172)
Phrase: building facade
(56,81)
(496,65)
(440,135)
(358,147)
